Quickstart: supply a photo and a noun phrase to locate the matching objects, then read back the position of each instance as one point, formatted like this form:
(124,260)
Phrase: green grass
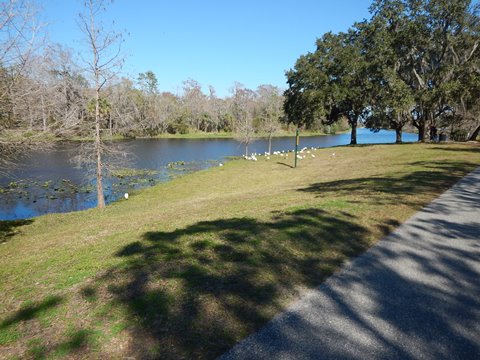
(187,268)
(230,135)
(191,135)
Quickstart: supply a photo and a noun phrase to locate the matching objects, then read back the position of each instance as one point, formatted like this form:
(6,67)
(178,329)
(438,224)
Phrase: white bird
(333,154)
(254,158)
(220,164)
(313,155)
(125,196)
(268,157)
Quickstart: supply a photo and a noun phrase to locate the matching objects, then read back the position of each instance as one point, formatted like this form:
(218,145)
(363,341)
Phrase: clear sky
(215,42)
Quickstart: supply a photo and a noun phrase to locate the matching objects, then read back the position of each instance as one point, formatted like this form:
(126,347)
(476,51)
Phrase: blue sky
(214,42)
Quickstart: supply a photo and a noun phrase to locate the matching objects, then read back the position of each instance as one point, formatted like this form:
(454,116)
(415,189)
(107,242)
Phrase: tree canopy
(413,61)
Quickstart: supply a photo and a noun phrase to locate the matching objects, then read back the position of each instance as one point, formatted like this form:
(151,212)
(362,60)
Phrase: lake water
(47,182)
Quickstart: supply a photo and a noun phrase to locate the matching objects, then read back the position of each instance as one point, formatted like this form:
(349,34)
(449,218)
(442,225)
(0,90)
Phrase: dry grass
(188,268)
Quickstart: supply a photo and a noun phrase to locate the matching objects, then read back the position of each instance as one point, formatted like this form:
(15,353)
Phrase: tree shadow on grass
(8,228)
(284,164)
(473,149)
(74,343)
(413,295)
(434,175)
(194,292)
(31,311)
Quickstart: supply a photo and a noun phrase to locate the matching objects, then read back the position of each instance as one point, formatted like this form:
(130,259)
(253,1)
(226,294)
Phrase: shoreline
(48,137)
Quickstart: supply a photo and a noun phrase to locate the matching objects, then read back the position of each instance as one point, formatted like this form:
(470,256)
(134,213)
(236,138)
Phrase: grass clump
(130,172)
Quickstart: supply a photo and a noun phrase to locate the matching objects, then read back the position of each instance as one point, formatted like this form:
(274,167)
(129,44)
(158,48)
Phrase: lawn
(188,268)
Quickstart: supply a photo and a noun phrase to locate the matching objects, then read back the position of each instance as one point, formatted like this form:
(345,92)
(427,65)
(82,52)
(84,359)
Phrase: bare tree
(194,102)
(28,94)
(50,95)
(70,88)
(165,111)
(125,113)
(106,59)
(19,38)
(242,111)
(270,110)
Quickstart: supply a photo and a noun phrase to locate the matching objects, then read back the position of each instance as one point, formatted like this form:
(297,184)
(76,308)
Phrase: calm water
(49,182)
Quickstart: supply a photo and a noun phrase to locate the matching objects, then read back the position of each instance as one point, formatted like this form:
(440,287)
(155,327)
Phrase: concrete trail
(414,295)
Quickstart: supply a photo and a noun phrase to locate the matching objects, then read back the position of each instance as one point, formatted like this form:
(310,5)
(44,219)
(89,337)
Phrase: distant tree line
(415,62)
(53,95)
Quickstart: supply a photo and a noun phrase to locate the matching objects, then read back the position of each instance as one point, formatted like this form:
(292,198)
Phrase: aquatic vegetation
(13,185)
(39,196)
(129,172)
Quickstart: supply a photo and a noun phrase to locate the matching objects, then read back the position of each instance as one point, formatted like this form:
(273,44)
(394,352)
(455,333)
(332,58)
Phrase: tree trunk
(246,149)
(353,137)
(474,134)
(421,130)
(31,117)
(398,135)
(98,151)
(398,130)
(270,144)
(421,134)
(44,118)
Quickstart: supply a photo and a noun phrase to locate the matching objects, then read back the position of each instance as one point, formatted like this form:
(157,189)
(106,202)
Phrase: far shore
(201,135)
(48,137)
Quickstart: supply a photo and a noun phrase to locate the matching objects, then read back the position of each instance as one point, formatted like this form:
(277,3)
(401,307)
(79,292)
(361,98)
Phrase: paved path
(415,295)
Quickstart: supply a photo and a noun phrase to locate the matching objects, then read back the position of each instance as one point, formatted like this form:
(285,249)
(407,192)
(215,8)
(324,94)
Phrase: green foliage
(103,105)
(330,83)
(179,126)
(148,82)
(413,61)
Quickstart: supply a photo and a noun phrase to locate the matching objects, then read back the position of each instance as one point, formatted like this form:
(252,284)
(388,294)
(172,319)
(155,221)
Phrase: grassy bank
(207,135)
(230,135)
(49,137)
(187,268)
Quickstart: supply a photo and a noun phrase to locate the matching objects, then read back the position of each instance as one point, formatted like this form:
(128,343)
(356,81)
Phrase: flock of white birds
(301,154)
